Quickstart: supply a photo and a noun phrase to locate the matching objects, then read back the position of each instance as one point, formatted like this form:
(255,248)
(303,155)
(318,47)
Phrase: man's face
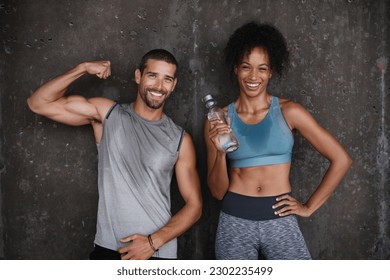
(156,83)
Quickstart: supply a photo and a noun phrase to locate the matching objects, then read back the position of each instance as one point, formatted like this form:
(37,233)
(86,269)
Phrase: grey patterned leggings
(277,239)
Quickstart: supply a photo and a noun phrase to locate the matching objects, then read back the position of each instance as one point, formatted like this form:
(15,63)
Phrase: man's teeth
(156,94)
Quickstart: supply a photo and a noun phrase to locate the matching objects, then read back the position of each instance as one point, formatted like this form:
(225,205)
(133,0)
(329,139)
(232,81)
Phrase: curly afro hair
(252,35)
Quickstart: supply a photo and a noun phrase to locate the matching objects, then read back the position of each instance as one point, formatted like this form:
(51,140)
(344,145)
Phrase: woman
(258,213)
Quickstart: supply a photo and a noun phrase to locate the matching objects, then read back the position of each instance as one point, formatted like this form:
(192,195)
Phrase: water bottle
(228,141)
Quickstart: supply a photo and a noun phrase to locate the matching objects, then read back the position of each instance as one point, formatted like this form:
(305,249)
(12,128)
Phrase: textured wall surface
(339,72)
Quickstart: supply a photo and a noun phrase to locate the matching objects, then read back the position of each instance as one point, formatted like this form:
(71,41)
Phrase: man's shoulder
(103,105)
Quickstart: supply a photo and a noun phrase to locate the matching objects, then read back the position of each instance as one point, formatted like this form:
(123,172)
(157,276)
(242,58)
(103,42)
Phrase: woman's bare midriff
(268,180)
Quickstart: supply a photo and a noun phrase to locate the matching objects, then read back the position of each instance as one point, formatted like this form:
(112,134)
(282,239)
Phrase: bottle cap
(207,98)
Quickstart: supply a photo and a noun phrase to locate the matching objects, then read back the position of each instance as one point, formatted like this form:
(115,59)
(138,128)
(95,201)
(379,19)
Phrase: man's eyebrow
(156,73)
(168,76)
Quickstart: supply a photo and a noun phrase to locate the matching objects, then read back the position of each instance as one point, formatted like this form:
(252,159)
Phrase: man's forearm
(178,224)
(55,88)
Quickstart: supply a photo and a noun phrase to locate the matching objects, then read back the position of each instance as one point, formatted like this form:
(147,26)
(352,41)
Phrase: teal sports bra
(266,143)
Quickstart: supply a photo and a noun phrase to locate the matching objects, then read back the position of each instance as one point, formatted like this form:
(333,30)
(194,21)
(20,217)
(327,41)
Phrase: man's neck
(147,113)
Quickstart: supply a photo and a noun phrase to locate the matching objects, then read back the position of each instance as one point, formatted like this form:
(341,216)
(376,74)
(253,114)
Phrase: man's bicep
(72,110)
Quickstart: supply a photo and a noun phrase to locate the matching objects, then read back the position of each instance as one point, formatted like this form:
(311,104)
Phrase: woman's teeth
(253,85)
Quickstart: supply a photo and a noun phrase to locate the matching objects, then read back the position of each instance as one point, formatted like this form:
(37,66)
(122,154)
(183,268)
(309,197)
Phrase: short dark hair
(254,34)
(158,54)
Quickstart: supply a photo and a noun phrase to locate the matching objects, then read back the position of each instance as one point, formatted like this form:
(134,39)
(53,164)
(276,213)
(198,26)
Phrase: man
(139,147)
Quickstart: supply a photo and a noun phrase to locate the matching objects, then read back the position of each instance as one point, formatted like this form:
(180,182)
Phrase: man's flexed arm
(49,99)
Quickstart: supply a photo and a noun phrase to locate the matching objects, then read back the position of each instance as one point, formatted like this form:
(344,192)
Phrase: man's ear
(137,76)
(174,84)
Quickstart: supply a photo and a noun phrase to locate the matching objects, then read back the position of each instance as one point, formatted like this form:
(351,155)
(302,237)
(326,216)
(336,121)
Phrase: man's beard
(151,103)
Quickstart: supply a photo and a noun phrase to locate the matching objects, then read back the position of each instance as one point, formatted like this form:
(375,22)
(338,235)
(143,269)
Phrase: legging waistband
(250,207)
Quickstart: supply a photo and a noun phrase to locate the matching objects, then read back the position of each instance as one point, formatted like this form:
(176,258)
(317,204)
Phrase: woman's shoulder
(290,106)
(294,113)
(226,108)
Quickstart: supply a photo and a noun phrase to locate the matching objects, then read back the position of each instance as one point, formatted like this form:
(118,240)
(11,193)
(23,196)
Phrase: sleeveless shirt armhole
(109,111)
(181,140)
(231,110)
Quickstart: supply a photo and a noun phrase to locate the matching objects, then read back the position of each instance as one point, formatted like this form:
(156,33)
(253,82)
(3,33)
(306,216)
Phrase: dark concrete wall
(340,52)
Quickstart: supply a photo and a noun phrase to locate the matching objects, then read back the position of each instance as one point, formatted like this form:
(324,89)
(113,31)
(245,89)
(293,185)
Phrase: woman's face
(254,72)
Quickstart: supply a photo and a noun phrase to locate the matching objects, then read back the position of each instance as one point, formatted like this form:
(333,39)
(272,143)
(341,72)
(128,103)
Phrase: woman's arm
(299,118)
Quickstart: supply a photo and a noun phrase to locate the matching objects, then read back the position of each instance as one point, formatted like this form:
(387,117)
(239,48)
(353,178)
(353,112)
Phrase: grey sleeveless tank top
(136,164)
